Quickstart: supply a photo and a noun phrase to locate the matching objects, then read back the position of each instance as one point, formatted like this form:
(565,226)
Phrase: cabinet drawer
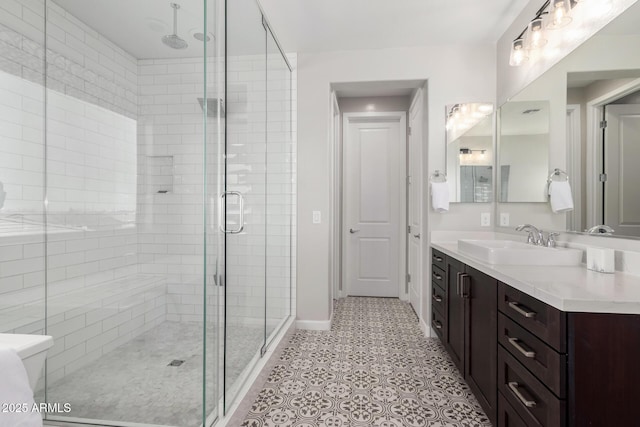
(507,416)
(542,320)
(438,324)
(438,299)
(438,276)
(438,259)
(546,364)
(533,402)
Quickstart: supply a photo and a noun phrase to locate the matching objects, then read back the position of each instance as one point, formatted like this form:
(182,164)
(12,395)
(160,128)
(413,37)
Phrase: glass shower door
(245,195)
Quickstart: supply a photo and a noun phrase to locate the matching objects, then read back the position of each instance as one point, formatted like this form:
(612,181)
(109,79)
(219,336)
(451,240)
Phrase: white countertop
(567,288)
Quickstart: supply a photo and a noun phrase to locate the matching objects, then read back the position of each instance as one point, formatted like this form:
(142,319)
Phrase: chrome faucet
(600,229)
(535,236)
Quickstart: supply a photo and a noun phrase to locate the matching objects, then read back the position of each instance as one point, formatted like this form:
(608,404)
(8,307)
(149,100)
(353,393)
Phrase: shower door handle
(223,227)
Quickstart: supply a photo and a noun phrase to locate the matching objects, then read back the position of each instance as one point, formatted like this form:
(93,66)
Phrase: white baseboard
(424,328)
(315,325)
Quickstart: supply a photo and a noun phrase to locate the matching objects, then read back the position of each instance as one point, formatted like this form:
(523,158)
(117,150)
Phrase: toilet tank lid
(26,345)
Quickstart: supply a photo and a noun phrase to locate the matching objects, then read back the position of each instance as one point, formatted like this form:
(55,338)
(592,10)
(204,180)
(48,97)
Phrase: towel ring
(437,175)
(557,172)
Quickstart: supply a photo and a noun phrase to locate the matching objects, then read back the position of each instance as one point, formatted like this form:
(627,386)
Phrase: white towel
(440,196)
(561,198)
(15,390)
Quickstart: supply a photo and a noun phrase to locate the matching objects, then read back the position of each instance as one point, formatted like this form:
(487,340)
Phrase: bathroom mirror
(470,152)
(593,101)
(523,151)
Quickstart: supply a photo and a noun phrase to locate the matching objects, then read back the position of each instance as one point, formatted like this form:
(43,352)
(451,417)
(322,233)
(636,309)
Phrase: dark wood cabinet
(530,364)
(454,341)
(480,292)
(471,323)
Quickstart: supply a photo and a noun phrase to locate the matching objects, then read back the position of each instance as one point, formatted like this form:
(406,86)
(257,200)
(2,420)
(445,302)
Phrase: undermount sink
(508,252)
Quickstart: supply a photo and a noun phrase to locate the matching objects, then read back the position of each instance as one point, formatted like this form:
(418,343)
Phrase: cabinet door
(455,314)
(481,294)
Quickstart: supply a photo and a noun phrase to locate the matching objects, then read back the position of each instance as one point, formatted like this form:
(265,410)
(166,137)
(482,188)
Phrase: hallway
(374,367)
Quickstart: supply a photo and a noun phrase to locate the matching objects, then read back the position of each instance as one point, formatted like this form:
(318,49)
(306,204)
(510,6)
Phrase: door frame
(402,226)
(595,138)
(336,287)
(417,102)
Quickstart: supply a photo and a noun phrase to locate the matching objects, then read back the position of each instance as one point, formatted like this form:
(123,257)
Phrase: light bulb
(518,53)
(560,14)
(535,34)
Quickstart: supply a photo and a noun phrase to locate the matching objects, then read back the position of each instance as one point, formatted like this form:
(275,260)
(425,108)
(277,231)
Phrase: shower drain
(176,362)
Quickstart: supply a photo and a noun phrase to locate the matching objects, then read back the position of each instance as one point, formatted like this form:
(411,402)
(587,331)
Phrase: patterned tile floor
(374,368)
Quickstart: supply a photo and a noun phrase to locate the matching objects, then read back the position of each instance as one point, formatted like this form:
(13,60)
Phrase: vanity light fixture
(461,117)
(559,14)
(535,33)
(552,15)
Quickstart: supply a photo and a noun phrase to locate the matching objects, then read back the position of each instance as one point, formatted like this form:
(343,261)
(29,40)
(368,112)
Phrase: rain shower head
(173,40)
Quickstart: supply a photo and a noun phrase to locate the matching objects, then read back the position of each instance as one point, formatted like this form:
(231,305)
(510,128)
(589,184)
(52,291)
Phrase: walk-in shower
(146,202)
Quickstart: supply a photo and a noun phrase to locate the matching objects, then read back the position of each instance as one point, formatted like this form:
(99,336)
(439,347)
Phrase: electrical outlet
(316,217)
(485,219)
(504,219)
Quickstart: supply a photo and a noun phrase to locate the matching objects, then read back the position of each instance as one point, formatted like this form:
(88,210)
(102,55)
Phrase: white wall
(455,74)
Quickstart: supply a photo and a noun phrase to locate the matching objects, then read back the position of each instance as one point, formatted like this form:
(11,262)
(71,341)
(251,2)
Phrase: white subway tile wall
(124,179)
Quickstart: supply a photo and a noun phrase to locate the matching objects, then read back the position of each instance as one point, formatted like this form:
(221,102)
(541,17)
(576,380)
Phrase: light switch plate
(504,219)
(316,217)
(485,219)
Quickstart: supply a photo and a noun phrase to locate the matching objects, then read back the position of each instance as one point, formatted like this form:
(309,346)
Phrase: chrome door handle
(223,227)
(437,324)
(458,283)
(352,231)
(514,388)
(437,298)
(528,314)
(417,236)
(526,353)
(437,276)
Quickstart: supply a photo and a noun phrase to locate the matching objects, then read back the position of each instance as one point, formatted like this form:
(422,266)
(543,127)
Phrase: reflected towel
(15,390)
(561,198)
(440,196)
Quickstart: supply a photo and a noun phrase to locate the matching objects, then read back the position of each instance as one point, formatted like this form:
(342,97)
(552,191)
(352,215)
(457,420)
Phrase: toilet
(32,349)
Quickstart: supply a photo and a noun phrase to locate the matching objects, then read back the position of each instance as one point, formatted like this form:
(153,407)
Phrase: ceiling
(138,26)
(388,88)
(330,25)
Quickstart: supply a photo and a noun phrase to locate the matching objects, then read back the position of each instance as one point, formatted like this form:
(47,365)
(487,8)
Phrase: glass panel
(126,213)
(22,153)
(246,177)
(279,189)
(214,173)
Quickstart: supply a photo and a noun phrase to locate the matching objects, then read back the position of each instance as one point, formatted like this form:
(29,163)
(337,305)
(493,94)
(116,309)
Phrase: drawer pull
(437,298)
(437,324)
(528,314)
(437,258)
(514,388)
(437,276)
(525,353)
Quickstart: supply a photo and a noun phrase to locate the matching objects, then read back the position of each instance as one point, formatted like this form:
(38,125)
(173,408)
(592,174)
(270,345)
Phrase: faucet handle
(551,241)
(531,239)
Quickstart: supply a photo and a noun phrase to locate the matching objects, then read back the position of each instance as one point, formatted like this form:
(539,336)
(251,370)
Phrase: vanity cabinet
(469,322)
(530,364)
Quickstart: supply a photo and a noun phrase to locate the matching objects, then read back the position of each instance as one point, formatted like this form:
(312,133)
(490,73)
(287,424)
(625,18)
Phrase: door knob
(417,236)
(352,231)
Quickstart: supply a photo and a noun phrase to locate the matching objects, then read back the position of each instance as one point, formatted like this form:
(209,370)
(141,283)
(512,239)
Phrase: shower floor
(133,383)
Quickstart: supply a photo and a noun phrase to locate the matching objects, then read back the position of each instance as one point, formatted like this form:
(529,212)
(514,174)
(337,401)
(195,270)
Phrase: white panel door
(415,203)
(374,149)
(622,149)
